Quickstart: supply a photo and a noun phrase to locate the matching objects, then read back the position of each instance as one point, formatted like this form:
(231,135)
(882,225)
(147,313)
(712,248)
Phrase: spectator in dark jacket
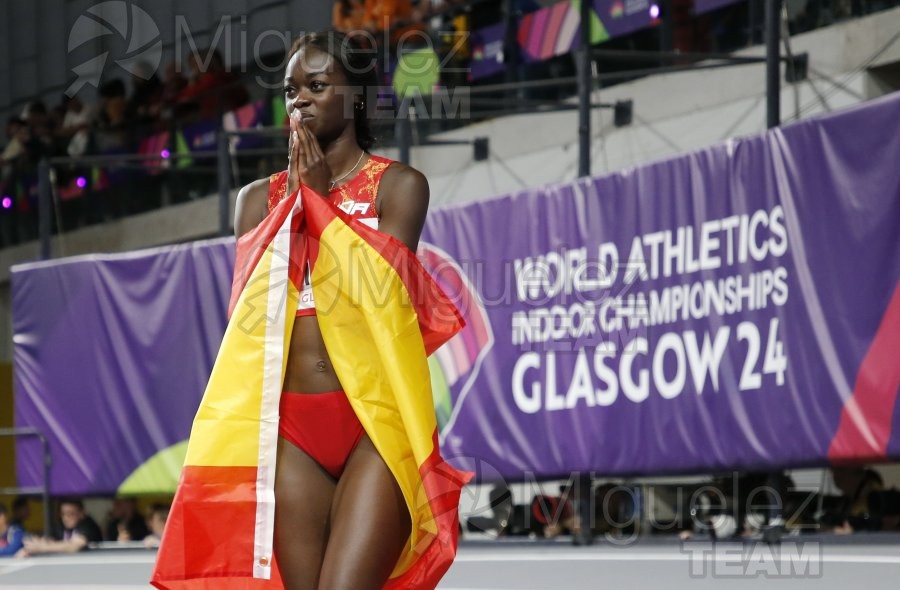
(78,530)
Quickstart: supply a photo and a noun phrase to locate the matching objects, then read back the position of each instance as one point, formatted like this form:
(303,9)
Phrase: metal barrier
(43,490)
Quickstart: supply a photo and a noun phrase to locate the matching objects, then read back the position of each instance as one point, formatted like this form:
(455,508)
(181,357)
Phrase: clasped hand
(306,162)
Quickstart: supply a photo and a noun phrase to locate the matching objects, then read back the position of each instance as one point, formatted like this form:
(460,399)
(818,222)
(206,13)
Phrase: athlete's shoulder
(404,203)
(401,181)
(251,206)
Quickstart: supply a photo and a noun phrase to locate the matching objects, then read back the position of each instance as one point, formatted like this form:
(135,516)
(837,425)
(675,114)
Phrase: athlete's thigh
(370,524)
(304,493)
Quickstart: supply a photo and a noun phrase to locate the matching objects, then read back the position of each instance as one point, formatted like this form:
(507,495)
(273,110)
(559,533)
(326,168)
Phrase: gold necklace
(333,182)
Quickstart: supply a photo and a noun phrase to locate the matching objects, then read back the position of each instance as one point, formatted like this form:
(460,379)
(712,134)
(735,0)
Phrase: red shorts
(322,425)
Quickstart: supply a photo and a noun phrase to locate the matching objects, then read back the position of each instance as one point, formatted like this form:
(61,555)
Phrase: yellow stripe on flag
(226,427)
(373,338)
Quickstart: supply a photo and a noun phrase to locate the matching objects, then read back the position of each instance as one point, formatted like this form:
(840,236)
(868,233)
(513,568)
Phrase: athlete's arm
(402,203)
(251,206)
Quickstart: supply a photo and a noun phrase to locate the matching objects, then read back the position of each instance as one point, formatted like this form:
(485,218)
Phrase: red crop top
(356,198)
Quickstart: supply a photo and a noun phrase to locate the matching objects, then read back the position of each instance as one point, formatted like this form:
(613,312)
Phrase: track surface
(696,565)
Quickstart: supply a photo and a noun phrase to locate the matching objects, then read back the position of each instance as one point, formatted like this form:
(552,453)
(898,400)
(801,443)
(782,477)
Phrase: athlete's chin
(315,126)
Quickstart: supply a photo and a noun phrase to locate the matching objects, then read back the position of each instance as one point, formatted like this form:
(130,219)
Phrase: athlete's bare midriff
(309,370)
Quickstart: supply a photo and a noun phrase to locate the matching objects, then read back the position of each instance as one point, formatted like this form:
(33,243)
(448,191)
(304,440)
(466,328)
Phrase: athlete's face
(316,89)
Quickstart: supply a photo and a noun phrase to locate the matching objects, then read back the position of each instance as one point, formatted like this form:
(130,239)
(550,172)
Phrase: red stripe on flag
(865,427)
(197,542)
(442,485)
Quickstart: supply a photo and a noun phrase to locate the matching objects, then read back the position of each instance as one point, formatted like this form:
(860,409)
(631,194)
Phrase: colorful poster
(620,17)
(556,30)
(250,116)
(487,52)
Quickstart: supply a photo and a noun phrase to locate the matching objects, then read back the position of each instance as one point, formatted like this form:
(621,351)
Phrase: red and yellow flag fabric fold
(380,314)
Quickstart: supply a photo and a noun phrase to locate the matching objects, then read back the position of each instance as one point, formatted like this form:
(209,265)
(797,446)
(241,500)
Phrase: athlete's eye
(317,86)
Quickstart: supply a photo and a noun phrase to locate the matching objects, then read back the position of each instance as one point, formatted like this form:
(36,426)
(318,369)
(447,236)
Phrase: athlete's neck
(342,154)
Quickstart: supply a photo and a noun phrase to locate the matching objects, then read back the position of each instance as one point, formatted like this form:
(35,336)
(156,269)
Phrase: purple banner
(487,52)
(254,115)
(714,311)
(112,354)
(734,308)
(703,6)
(620,17)
(201,136)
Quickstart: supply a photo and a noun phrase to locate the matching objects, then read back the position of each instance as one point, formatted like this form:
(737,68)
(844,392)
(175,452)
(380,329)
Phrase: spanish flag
(381,315)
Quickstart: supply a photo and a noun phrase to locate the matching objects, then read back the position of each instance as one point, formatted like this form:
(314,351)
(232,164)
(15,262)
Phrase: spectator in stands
(555,515)
(11,535)
(78,530)
(614,510)
(124,522)
(428,8)
(111,130)
(854,512)
(501,513)
(502,506)
(396,16)
(15,150)
(21,512)
(14,165)
(74,131)
(173,84)
(213,89)
(383,14)
(142,108)
(348,15)
(159,513)
(40,126)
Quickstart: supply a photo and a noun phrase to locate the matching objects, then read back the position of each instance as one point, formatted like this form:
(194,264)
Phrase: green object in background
(440,393)
(598,31)
(279,111)
(417,72)
(181,148)
(159,474)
